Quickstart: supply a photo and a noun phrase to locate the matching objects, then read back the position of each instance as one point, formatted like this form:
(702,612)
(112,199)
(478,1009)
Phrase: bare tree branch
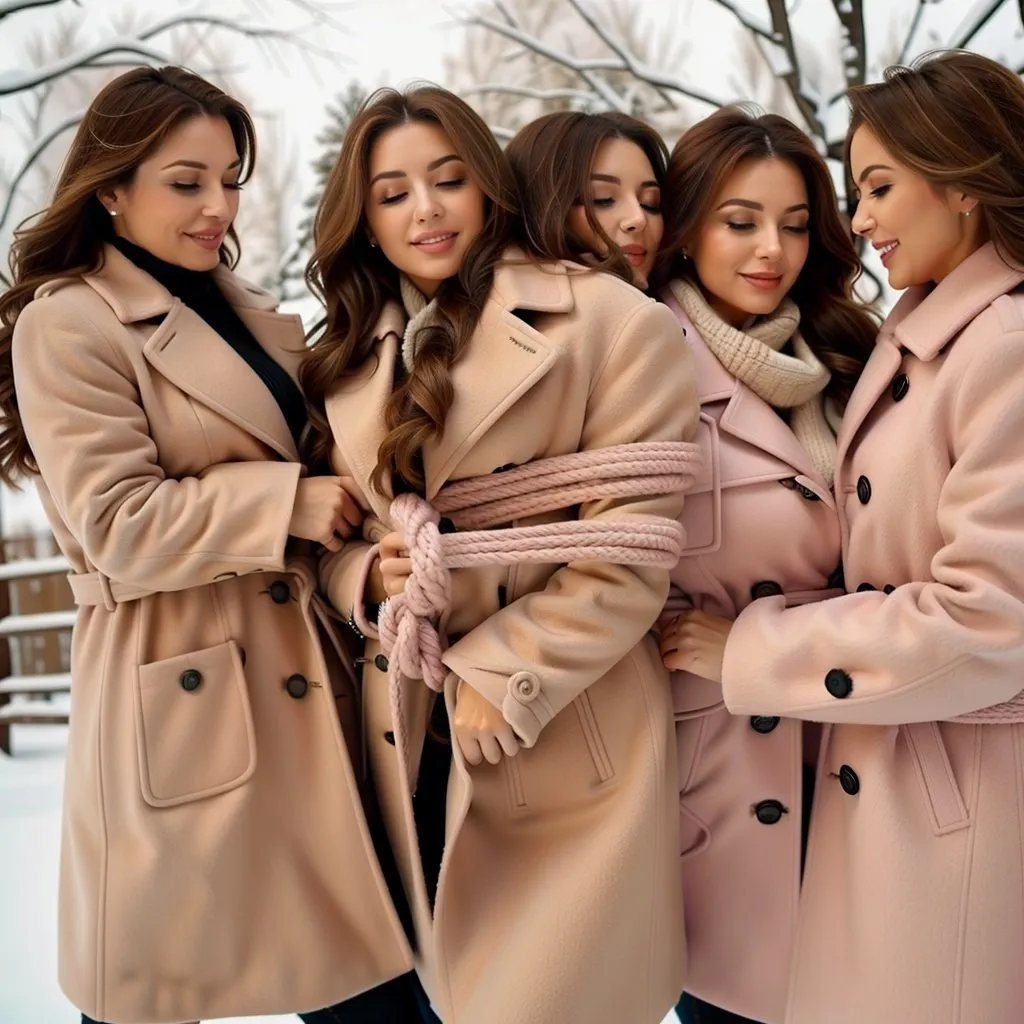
(783,35)
(27,164)
(9,7)
(500,89)
(747,22)
(851,18)
(912,30)
(975,21)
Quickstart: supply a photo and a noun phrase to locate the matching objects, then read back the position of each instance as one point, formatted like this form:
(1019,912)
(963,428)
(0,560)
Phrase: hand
(480,728)
(695,642)
(325,511)
(394,566)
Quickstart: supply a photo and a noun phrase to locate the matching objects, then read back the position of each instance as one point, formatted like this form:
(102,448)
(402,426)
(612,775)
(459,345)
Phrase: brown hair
(128,120)
(354,280)
(839,329)
(957,120)
(552,158)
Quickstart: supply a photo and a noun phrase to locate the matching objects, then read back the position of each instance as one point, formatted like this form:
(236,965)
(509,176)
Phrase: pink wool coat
(913,897)
(760,521)
(559,897)
(215,859)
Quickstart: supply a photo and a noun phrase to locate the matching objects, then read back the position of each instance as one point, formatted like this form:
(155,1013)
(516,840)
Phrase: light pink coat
(913,902)
(760,520)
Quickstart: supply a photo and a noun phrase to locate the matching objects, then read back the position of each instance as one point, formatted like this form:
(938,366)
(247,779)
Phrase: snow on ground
(31,782)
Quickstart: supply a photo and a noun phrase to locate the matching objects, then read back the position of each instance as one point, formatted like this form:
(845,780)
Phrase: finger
(490,747)
(509,742)
(333,543)
(675,662)
(349,511)
(470,749)
(391,544)
(396,567)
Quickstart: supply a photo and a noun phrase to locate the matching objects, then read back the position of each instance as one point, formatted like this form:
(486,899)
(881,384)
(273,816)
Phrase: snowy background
(302,66)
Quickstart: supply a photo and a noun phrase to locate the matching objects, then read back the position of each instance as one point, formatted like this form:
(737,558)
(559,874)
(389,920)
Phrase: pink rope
(406,629)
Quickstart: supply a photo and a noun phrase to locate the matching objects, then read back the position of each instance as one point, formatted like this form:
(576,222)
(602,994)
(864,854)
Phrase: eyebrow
(747,204)
(195,164)
(612,180)
(872,167)
(432,166)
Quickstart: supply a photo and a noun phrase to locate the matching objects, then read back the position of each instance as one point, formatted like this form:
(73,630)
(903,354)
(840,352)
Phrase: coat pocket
(194,726)
(942,797)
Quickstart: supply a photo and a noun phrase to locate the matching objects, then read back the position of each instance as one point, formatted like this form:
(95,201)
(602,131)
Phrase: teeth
(436,238)
(887,248)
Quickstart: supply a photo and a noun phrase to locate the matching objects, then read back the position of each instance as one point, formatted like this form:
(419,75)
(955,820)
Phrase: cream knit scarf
(419,312)
(755,356)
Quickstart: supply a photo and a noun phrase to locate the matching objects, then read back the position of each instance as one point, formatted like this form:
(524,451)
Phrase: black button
(445,525)
(837,581)
(807,493)
(389,737)
(866,586)
(864,490)
(848,780)
(769,812)
(838,683)
(900,387)
(764,724)
(191,679)
(888,588)
(280,592)
(766,588)
(381,662)
(297,686)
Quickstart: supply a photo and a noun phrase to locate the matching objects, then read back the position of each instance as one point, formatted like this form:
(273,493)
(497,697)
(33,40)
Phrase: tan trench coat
(559,898)
(913,898)
(761,520)
(215,858)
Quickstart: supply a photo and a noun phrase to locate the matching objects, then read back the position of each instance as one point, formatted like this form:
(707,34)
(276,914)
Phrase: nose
(769,245)
(427,205)
(634,217)
(862,222)
(217,204)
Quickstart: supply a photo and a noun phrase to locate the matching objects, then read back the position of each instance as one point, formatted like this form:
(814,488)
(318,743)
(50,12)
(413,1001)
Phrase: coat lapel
(505,358)
(355,410)
(190,354)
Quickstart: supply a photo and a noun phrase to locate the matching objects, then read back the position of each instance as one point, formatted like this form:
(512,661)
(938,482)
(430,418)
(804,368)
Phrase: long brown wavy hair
(839,329)
(552,158)
(354,280)
(129,119)
(956,119)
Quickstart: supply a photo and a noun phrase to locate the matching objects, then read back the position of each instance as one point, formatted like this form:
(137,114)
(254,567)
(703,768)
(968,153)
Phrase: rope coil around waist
(406,628)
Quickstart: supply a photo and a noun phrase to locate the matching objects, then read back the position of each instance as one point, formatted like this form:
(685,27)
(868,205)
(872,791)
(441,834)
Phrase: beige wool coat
(913,898)
(559,896)
(215,857)
(761,520)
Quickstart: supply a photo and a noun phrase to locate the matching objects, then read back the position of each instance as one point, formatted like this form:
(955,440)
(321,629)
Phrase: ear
(962,203)
(109,198)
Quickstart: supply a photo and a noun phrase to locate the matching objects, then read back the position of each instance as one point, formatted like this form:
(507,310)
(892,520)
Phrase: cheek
(797,250)
(579,224)
(655,231)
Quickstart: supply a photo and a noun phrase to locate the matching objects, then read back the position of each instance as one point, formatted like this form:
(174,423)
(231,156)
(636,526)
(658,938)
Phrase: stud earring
(113,213)
(966,213)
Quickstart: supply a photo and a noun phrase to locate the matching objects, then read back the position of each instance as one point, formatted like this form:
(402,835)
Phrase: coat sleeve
(931,650)
(339,576)
(534,657)
(88,430)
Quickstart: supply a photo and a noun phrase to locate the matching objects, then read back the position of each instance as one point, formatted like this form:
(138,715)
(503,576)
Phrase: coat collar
(134,295)
(505,359)
(189,353)
(926,319)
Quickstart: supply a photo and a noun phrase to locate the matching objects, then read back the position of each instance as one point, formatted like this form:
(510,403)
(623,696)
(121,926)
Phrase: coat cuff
(520,696)
(745,683)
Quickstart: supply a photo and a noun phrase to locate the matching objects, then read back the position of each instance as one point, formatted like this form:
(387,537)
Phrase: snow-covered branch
(975,20)
(758,26)
(9,7)
(526,92)
(915,21)
(37,150)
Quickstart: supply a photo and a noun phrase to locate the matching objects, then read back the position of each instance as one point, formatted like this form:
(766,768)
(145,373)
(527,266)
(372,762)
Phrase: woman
(549,892)
(153,395)
(593,183)
(762,273)
(913,897)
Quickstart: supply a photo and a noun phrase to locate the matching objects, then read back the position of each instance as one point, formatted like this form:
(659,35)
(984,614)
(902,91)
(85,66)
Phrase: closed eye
(797,229)
(651,208)
(390,200)
(880,191)
(739,225)
(452,183)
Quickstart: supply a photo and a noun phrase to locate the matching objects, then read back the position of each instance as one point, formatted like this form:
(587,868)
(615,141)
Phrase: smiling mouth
(211,238)
(636,254)
(436,240)
(886,250)
(766,282)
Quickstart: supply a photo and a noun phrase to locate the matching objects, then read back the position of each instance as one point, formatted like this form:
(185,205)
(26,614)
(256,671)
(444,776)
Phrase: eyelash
(877,193)
(184,186)
(452,184)
(609,201)
(747,225)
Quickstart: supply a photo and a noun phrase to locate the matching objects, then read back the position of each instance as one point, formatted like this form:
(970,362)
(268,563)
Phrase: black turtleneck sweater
(198,290)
